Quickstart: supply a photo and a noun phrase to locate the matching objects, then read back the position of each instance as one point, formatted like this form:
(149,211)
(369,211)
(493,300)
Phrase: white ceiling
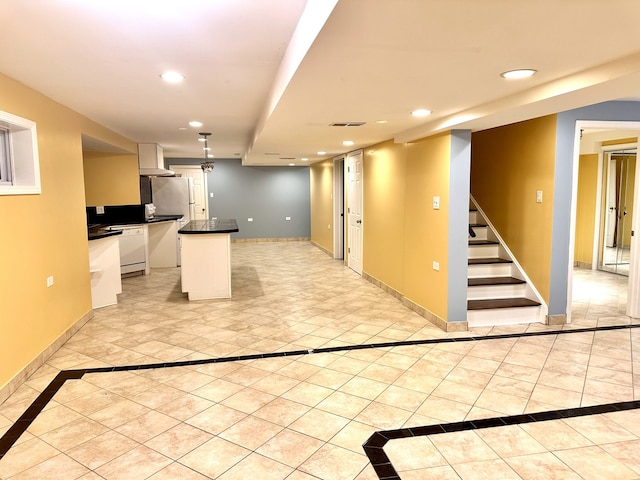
(268,77)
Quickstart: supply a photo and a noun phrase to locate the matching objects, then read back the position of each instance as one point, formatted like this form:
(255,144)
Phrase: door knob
(358,221)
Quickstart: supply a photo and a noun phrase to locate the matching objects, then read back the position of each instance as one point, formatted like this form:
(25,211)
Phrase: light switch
(436,266)
(539,196)
(436,203)
(287,218)
(250,219)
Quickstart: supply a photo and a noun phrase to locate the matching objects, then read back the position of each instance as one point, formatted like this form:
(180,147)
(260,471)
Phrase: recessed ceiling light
(421,112)
(201,139)
(348,143)
(210,155)
(522,73)
(382,121)
(321,153)
(195,123)
(172,77)
(292,164)
(182,128)
(304,159)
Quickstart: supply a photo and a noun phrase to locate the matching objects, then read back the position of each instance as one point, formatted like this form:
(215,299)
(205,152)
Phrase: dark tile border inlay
(374,446)
(12,435)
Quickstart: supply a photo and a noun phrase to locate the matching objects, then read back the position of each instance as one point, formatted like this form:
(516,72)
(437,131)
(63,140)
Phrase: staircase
(497,290)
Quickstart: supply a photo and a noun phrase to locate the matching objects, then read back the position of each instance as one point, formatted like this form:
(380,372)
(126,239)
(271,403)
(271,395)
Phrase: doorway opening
(603,225)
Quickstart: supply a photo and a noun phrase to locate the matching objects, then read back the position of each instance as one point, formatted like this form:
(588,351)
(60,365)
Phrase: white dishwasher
(133,248)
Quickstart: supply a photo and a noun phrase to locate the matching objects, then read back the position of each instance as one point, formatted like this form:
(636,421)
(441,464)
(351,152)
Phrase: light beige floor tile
(214,457)
(319,424)
(74,433)
(462,447)
(593,463)
(60,466)
(443,409)
(24,456)
(250,432)
(289,447)
(141,462)
(178,441)
(307,394)
(510,441)
(413,453)
(147,426)
(257,466)
(496,469)
(382,416)
(599,429)
(353,436)
(102,449)
(434,473)
(334,462)
(177,471)
(555,435)
(541,466)
(185,406)
(281,411)
(216,419)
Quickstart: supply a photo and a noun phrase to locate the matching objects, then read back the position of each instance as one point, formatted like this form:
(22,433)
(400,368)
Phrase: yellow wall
(508,165)
(384,173)
(111,179)
(321,184)
(426,229)
(43,235)
(585,209)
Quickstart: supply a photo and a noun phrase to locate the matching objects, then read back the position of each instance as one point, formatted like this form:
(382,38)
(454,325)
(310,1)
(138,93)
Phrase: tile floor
(306,416)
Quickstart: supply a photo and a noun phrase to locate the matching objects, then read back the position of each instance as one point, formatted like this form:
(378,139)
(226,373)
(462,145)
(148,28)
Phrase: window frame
(19,161)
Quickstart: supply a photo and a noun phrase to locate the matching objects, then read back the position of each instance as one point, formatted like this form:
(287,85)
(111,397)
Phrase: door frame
(633,297)
(204,181)
(338,207)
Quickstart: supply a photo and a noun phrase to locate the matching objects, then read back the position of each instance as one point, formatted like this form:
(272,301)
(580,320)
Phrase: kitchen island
(206,258)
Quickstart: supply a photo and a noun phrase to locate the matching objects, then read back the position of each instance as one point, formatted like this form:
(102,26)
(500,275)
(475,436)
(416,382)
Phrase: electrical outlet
(211,194)
(329,227)
(287,218)
(50,281)
(100,210)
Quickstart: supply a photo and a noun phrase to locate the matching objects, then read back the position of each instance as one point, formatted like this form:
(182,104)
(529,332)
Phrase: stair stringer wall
(531,291)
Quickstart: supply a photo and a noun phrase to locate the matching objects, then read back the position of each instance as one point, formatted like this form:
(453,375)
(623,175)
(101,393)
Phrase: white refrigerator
(174,196)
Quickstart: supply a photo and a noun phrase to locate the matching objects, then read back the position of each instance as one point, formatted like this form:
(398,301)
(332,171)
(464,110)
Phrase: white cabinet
(163,250)
(150,155)
(104,267)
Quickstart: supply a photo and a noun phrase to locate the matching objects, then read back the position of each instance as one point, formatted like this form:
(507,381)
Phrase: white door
(354,211)
(199,188)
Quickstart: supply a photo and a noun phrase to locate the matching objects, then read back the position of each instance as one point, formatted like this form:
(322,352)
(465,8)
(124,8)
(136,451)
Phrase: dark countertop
(223,225)
(101,230)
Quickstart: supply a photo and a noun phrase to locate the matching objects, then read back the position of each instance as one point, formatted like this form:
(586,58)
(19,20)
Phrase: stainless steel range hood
(151,160)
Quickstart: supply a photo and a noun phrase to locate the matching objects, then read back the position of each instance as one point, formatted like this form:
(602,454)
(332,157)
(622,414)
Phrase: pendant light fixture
(207,165)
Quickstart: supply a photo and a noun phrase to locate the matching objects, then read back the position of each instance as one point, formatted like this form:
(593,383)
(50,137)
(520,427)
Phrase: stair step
(473,241)
(486,304)
(488,260)
(472,282)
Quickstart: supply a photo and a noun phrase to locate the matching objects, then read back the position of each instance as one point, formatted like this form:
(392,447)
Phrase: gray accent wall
(460,172)
(563,178)
(266,194)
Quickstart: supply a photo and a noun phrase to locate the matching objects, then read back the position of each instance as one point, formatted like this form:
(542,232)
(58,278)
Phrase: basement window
(19,165)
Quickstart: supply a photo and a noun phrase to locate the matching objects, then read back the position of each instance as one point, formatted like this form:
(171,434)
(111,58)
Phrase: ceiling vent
(347,124)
